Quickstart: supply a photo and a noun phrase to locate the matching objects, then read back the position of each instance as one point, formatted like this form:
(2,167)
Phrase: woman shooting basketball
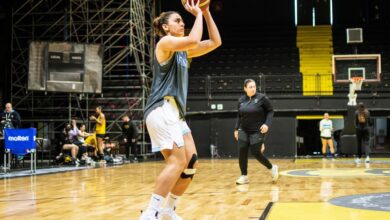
(166,106)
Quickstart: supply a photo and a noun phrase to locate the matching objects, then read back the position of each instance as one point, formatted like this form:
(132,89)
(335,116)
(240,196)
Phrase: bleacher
(267,54)
(270,56)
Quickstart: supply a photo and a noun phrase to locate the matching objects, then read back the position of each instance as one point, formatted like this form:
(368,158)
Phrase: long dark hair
(160,20)
(362,111)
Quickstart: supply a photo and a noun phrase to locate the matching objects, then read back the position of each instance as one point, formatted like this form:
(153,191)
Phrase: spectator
(10,118)
(130,136)
(68,134)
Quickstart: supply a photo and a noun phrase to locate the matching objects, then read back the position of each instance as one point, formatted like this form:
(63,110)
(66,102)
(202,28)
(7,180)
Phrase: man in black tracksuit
(9,118)
(254,118)
(130,136)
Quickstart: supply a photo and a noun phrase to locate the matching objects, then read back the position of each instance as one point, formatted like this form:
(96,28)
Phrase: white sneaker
(242,180)
(357,160)
(169,214)
(367,159)
(148,215)
(275,173)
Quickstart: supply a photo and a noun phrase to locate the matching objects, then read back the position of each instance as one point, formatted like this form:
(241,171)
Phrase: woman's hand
(236,135)
(92,118)
(264,129)
(193,8)
(262,148)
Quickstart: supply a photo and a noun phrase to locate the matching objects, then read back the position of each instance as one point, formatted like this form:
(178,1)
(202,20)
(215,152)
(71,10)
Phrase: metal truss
(124,27)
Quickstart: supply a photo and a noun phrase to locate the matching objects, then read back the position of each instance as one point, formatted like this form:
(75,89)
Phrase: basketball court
(307,189)
(63,59)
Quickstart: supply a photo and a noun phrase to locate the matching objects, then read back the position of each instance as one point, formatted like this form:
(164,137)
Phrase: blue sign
(19,141)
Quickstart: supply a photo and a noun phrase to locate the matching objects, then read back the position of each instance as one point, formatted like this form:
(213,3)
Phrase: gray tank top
(169,79)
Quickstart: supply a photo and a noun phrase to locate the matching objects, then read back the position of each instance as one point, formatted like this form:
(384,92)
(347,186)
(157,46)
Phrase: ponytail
(160,20)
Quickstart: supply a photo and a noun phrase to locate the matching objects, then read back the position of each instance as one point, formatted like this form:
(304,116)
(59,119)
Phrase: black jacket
(10,120)
(129,130)
(253,112)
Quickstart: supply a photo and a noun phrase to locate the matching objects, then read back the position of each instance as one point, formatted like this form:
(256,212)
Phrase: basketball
(202,4)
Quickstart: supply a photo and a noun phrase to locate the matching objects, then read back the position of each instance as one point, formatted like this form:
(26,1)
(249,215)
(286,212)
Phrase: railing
(216,86)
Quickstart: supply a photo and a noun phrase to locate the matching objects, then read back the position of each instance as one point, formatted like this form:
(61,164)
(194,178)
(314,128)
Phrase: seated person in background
(68,142)
(91,141)
(109,146)
(80,142)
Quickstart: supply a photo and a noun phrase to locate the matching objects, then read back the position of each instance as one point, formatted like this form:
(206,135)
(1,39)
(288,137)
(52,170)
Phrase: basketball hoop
(357,83)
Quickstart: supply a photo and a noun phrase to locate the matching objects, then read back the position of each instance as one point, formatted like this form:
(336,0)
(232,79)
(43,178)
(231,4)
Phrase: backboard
(367,66)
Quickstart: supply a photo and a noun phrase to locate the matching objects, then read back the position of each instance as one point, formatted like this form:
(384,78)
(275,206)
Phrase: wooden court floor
(120,192)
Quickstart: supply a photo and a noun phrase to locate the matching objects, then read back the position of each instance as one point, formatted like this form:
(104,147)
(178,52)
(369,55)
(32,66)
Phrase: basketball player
(362,122)
(254,117)
(100,131)
(166,106)
(326,128)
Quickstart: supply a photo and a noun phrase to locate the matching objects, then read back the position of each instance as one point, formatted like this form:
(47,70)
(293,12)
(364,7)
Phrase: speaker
(354,35)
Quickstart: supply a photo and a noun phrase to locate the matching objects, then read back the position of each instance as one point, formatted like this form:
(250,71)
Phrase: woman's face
(326,116)
(250,89)
(175,26)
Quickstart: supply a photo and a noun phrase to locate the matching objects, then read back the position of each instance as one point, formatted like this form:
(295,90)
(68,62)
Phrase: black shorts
(101,136)
(251,137)
(326,138)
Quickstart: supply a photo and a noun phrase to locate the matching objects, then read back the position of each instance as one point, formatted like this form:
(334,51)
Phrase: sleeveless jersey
(169,79)
(101,128)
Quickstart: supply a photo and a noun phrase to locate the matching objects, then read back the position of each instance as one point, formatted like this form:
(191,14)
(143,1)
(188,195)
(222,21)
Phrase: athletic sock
(155,203)
(172,201)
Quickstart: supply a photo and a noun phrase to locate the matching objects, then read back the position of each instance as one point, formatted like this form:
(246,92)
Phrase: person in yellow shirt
(100,130)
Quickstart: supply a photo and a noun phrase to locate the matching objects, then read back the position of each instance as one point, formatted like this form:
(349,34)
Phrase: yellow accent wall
(315,57)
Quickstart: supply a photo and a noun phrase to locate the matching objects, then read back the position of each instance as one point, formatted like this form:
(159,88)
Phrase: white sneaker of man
(169,214)
(275,173)
(367,159)
(147,215)
(357,160)
(243,179)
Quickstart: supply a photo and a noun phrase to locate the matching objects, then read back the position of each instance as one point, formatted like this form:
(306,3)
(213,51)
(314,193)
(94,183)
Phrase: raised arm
(211,44)
(171,43)
(170,25)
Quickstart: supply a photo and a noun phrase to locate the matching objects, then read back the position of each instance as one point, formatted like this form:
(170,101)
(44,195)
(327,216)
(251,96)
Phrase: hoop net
(357,83)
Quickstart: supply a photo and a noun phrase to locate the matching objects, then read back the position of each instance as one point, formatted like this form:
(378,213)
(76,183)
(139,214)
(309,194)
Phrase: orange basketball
(202,4)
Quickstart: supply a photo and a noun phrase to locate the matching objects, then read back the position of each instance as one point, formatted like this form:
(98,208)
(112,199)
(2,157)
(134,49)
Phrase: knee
(255,149)
(181,165)
(190,170)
